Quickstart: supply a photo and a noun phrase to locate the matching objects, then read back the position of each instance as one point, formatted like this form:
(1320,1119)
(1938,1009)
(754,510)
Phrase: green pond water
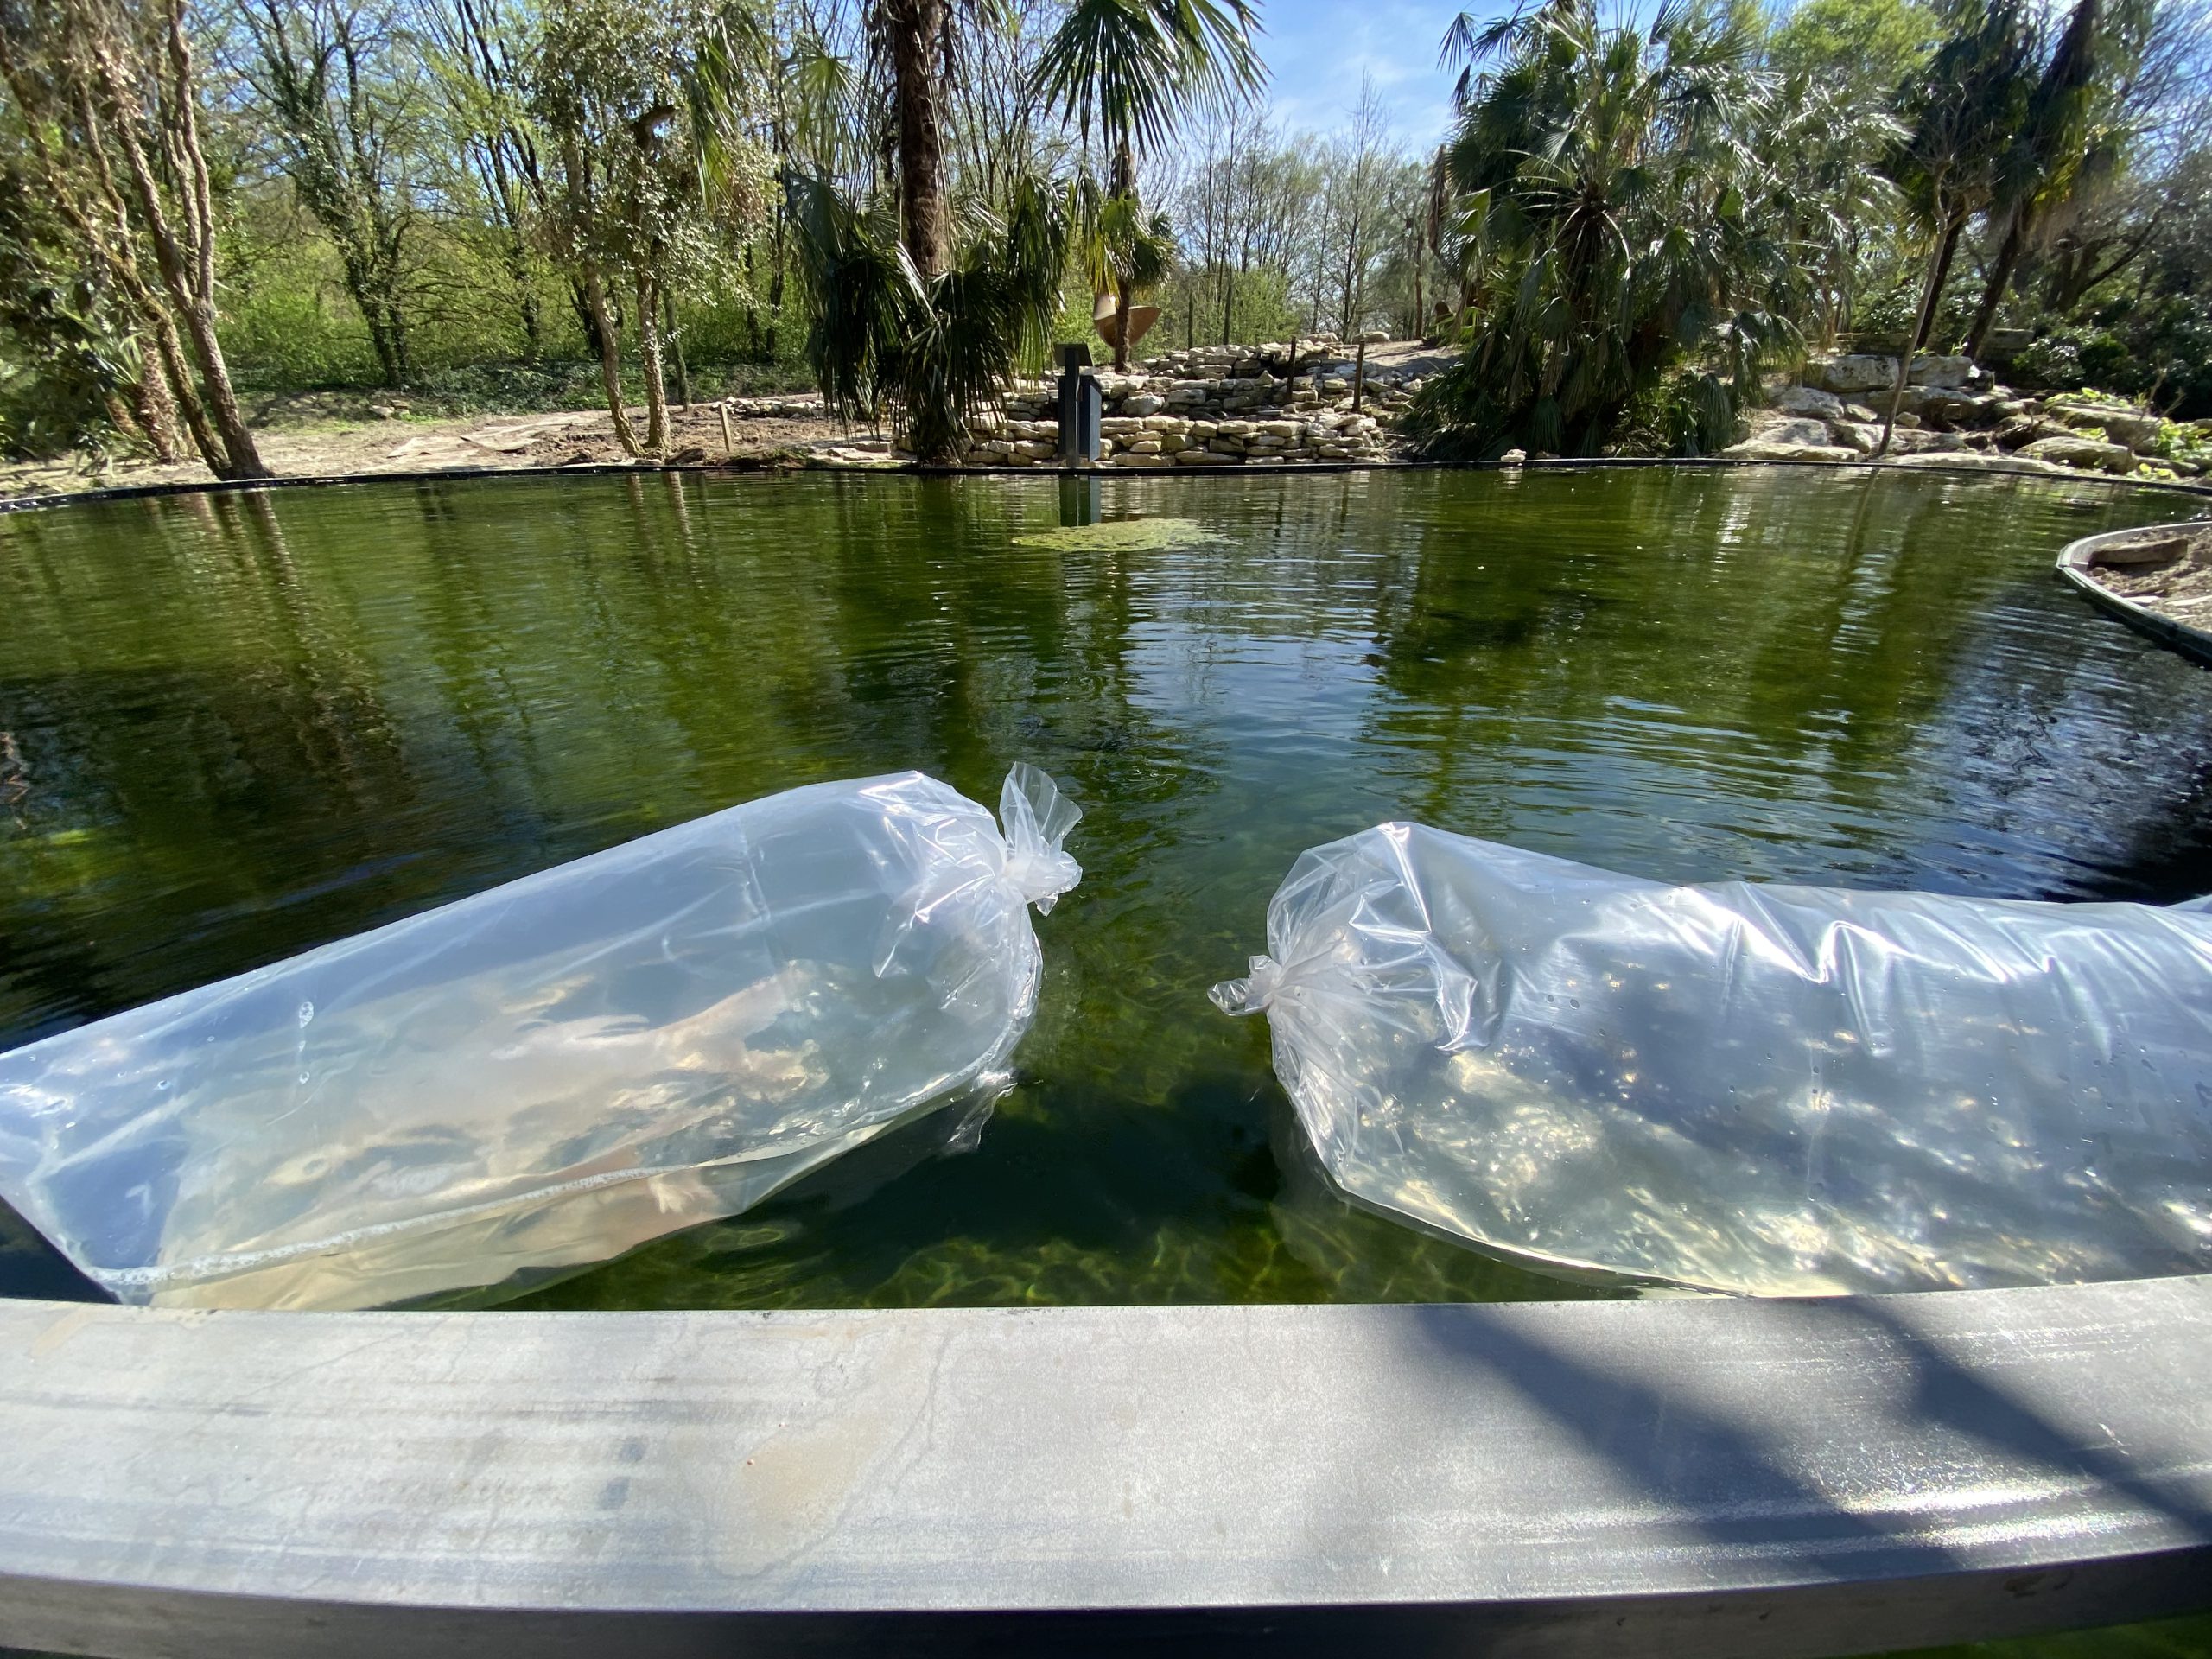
(238,726)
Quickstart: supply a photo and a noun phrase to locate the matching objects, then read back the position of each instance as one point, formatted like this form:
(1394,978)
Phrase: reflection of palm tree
(1757,654)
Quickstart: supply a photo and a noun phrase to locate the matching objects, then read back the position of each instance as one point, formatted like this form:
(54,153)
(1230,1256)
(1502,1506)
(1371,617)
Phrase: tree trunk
(648,353)
(1121,326)
(2000,279)
(189,274)
(1950,246)
(1939,262)
(914,26)
(676,345)
(586,319)
(776,282)
(610,360)
(151,407)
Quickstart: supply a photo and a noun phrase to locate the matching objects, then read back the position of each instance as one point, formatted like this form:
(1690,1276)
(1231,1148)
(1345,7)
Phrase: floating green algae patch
(1122,535)
(249,724)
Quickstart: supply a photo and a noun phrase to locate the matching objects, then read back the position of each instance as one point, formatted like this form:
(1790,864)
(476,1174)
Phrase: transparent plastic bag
(552,1071)
(1774,1090)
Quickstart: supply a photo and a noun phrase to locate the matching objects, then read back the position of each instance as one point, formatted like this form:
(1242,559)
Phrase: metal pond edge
(2076,561)
(909,469)
(1721,1477)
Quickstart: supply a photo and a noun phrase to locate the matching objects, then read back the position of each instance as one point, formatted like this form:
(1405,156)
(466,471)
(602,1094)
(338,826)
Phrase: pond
(233,727)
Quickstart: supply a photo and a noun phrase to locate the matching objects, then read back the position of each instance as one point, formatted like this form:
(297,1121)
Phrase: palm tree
(1614,225)
(1963,111)
(912,35)
(1128,70)
(1125,254)
(933,351)
(2060,144)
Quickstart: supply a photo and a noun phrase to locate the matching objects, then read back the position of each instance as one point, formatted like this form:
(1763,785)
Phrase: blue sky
(1317,50)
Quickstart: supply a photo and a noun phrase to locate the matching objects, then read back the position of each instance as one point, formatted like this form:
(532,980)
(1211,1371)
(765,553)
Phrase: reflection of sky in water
(253,724)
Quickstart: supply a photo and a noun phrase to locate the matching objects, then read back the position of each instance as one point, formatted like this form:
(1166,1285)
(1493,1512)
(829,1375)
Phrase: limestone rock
(2082,452)
(1809,400)
(2132,427)
(1971,461)
(1854,372)
(1773,450)
(1940,372)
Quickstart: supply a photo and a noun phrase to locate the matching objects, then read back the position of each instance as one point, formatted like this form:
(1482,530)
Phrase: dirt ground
(2178,586)
(317,442)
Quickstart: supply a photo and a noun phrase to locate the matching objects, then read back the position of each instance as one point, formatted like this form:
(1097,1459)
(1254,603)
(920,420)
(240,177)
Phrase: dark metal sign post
(1083,404)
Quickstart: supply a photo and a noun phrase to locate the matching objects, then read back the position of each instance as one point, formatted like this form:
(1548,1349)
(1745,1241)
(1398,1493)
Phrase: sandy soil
(764,431)
(2178,586)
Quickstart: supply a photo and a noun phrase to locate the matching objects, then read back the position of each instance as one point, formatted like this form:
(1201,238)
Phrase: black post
(1082,404)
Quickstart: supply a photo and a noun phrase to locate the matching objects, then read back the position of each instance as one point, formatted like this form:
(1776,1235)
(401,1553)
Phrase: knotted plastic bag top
(1035,819)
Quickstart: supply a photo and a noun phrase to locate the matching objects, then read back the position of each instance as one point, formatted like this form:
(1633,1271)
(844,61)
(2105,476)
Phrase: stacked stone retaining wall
(1276,405)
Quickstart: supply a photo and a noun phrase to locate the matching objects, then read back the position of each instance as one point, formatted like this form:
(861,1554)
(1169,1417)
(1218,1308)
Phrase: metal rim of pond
(1731,1477)
(2077,559)
(725,469)
(1742,1477)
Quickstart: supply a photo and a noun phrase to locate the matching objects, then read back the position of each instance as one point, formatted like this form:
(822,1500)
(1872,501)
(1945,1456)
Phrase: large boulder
(2020,430)
(2082,452)
(1968,461)
(1854,372)
(1809,400)
(1951,372)
(1791,441)
(2132,427)
(1765,428)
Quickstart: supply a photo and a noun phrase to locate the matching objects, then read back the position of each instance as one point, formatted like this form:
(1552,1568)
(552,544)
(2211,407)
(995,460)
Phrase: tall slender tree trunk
(1938,263)
(1942,277)
(610,360)
(776,281)
(2000,279)
(155,413)
(591,321)
(675,336)
(187,271)
(915,26)
(649,350)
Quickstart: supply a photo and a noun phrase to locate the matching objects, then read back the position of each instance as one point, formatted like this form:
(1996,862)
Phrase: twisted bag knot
(1035,819)
(1253,993)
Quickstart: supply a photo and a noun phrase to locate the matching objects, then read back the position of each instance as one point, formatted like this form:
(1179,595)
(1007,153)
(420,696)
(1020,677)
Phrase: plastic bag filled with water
(552,1071)
(1773,1090)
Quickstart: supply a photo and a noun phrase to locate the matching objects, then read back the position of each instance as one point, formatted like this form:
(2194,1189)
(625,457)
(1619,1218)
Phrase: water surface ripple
(238,726)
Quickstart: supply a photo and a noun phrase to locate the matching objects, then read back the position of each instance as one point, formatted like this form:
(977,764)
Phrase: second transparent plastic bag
(552,1071)
(1778,1090)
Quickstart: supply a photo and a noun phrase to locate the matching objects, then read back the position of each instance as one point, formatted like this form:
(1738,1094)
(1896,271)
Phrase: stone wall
(1952,409)
(1281,403)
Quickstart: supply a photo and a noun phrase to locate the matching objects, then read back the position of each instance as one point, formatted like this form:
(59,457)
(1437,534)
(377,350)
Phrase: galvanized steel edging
(909,469)
(1707,1475)
(2075,561)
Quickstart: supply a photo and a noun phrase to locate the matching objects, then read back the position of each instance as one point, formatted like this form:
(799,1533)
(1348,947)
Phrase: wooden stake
(729,446)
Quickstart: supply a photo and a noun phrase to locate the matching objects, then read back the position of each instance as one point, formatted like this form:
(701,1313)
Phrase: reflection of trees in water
(1751,657)
(2081,752)
(203,738)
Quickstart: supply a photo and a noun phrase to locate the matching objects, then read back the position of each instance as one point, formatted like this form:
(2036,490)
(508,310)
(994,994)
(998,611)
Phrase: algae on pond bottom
(1122,535)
